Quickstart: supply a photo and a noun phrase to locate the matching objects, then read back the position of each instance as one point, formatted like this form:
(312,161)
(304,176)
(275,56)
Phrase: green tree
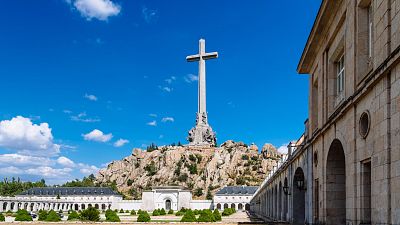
(198,192)
(151,168)
(112,216)
(188,216)
(206,216)
(73,216)
(52,217)
(2,217)
(162,212)
(156,212)
(90,214)
(143,217)
(217,215)
(23,215)
(209,195)
(42,215)
(133,212)
(171,211)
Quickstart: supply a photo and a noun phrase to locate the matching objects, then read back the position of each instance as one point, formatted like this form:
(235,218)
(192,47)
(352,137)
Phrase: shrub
(151,169)
(192,168)
(121,211)
(228,211)
(42,215)
(198,192)
(206,216)
(112,216)
(189,216)
(133,212)
(73,216)
(196,212)
(126,211)
(2,217)
(90,214)
(245,157)
(183,177)
(179,213)
(217,215)
(53,217)
(162,212)
(192,158)
(156,212)
(171,211)
(143,217)
(23,215)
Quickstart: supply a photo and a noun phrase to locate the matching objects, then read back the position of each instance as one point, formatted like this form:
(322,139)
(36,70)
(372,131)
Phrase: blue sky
(79,75)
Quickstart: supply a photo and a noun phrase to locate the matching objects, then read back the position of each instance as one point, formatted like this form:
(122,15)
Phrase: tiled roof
(237,190)
(65,191)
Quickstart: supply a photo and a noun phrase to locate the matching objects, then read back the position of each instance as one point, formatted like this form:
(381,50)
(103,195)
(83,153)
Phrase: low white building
(103,198)
(237,197)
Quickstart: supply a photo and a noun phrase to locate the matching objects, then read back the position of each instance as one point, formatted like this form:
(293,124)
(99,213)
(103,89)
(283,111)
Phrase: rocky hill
(202,169)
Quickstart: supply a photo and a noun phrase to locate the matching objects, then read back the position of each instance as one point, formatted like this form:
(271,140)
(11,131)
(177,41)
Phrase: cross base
(202,135)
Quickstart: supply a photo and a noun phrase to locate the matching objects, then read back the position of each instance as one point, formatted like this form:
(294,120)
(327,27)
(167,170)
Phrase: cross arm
(193,58)
(211,55)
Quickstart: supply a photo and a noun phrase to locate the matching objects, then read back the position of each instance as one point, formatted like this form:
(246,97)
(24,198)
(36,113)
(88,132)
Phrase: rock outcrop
(202,169)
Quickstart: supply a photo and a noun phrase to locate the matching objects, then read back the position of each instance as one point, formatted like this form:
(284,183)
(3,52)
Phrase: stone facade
(237,197)
(350,156)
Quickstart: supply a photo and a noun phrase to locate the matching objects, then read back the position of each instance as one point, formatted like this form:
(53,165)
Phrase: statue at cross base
(202,134)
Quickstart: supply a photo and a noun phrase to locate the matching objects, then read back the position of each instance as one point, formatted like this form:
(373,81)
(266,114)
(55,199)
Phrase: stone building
(237,197)
(346,167)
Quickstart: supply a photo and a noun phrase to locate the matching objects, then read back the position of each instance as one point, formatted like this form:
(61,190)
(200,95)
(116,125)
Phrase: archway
(226,206)
(285,199)
(4,206)
(219,206)
(233,206)
(299,191)
(247,206)
(240,206)
(96,206)
(103,206)
(280,201)
(83,206)
(76,207)
(90,206)
(336,185)
(168,204)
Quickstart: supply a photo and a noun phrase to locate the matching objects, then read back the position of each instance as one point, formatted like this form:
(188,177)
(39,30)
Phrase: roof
(326,11)
(65,191)
(237,190)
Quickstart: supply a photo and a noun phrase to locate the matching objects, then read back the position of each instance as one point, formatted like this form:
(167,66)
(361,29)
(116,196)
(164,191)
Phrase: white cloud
(82,117)
(152,123)
(98,9)
(283,149)
(23,160)
(46,171)
(120,142)
(66,111)
(166,89)
(167,119)
(190,78)
(170,80)
(21,135)
(87,169)
(153,115)
(97,135)
(90,97)
(149,15)
(10,170)
(64,161)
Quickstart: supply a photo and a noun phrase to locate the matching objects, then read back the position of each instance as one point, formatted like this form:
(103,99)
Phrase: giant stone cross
(202,134)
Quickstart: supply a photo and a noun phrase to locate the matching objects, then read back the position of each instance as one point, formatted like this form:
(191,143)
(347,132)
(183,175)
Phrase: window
(370,25)
(340,73)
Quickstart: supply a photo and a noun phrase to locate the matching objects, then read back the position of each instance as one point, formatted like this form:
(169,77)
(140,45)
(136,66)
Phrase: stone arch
(280,200)
(336,184)
(103,206)
(247,206)
(12,205)
(32,206)
(233,206)
(240,206)
(96,206)
(76,207)
(285,200)
(276,202)
(83,206)
(219,206)
(299,197)
(90,205)
(226,206)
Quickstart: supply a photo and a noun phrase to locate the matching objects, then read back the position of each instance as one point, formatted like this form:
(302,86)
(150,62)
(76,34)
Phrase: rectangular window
(370,25)
(340,74)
